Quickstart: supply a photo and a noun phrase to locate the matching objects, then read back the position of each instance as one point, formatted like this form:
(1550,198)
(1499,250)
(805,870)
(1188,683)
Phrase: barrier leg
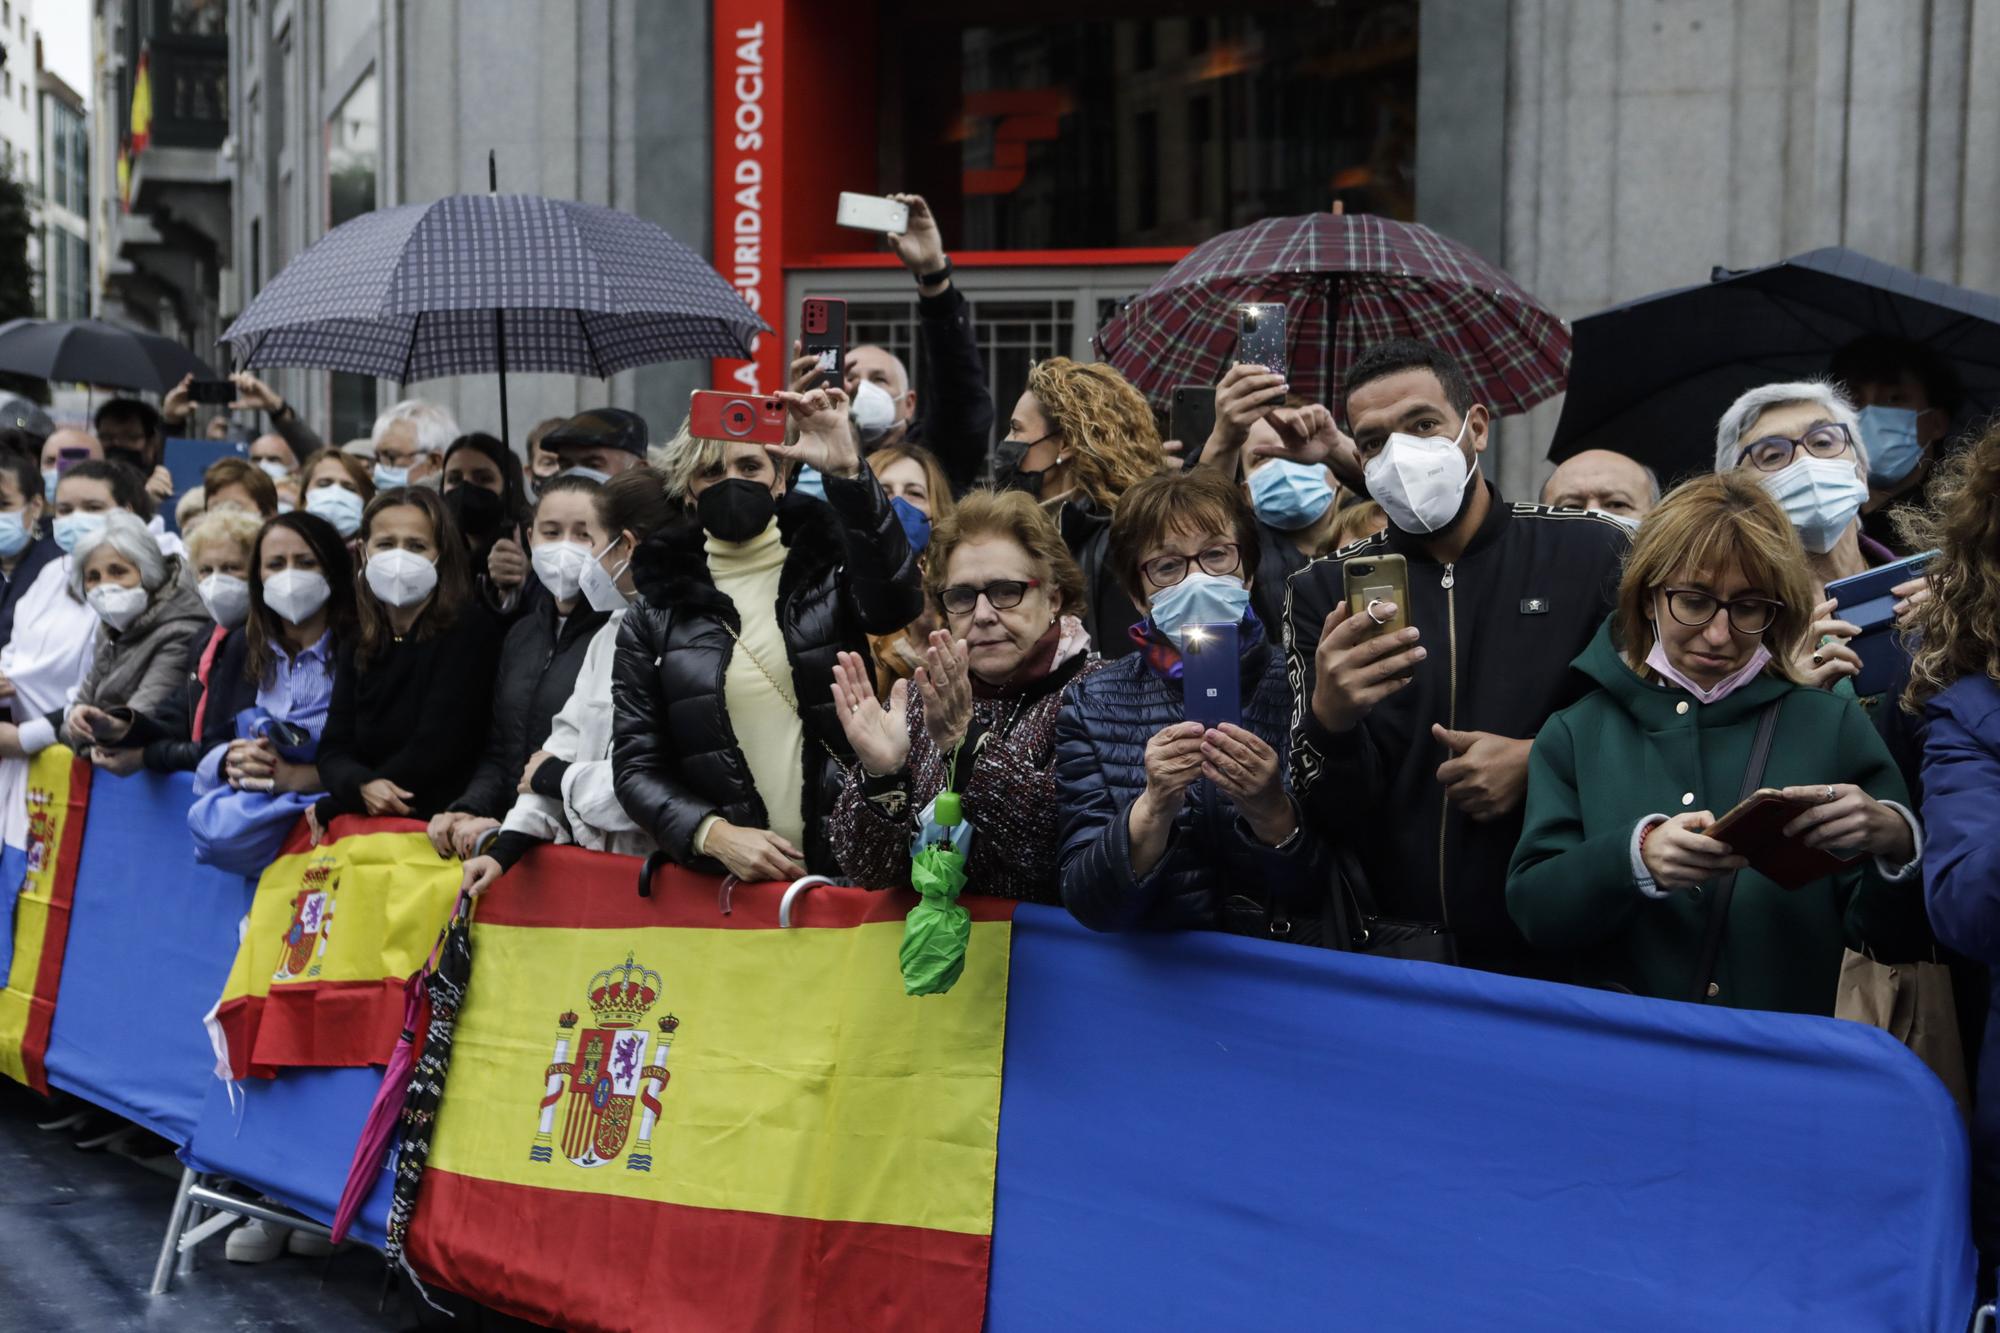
(1985,1320)
(163,1270)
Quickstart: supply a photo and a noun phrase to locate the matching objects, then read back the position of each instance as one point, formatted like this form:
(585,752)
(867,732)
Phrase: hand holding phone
(217,393)
(1260,337)
(751,418)
(1374,583)
(1211,676)
(823,336)
(1191,420)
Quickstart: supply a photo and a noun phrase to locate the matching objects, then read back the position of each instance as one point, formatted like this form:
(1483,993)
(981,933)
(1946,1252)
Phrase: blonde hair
(221,525)
(1363,518)
(1956,633)
(1703,527)
(684,457)
(1113,441)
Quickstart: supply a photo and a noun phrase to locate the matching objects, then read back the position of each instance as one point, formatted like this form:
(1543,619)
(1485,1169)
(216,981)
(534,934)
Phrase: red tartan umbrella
(1347,281)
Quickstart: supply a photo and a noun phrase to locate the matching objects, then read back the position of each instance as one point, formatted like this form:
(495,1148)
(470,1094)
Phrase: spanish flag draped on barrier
(668,1117)
(58,795)
(333,932)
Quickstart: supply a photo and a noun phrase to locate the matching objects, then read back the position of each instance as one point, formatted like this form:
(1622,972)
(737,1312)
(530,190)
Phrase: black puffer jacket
(1101,734)
(1086,530)
(538,666)
(848,573)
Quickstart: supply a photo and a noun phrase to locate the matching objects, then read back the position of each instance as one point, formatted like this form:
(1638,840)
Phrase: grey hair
(1743,413)
(436,427)
(126,533)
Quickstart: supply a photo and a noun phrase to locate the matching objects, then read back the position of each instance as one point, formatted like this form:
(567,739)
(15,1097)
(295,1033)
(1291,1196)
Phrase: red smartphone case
(1755,831)
(752,418)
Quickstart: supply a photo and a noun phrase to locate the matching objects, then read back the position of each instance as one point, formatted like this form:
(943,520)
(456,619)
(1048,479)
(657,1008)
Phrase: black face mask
(1009,475)
(131,458)
(736,510)
(479,513)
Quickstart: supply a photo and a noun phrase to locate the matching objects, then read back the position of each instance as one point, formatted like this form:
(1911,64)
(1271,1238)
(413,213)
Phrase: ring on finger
(1830,795)
(1370,609)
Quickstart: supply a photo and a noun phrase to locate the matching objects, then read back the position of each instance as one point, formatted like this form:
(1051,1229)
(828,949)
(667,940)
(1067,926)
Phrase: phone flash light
(1196,634)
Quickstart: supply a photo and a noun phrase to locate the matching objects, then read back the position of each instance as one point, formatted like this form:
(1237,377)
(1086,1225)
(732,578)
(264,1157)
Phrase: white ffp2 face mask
(1420,480)
(874,411)
(117,605)
(295,594)
(227,598)
(401,578)
(560,567)
(600,586)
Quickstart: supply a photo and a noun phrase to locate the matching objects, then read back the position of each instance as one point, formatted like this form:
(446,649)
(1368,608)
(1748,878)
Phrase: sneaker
(255,1242)
(309,1244)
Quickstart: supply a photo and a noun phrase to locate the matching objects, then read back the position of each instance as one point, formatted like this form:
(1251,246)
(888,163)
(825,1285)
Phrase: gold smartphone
(1369,579)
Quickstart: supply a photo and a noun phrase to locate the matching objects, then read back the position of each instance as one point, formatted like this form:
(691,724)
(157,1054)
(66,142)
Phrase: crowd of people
(769,660)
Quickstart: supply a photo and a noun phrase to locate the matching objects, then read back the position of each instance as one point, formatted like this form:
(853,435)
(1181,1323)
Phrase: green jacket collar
(1656,704)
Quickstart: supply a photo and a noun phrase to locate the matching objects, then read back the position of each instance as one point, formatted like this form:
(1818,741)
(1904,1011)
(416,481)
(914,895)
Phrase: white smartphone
(871,212)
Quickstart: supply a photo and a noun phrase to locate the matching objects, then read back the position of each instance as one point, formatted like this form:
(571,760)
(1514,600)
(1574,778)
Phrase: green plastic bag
(936,932)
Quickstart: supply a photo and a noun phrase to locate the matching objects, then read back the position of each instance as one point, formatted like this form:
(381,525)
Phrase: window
(353,160)
(6,81)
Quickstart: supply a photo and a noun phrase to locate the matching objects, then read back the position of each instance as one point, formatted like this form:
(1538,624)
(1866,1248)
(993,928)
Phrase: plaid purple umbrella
(1347,281)
(477,283)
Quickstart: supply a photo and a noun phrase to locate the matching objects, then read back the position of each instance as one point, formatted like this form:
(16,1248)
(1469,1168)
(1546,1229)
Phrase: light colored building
(20,147)
(64,263)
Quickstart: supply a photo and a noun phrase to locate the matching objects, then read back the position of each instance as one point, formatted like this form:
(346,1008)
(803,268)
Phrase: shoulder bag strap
(1718,910)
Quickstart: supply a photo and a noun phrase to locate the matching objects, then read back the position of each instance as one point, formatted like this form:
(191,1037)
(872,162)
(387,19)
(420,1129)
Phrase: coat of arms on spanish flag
(307,992)
(754,1120)
(58,794)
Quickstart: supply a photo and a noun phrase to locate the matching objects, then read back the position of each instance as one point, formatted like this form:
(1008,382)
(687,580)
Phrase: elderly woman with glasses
(1170,821)
(979,716)
(1802,441)
(1618,868)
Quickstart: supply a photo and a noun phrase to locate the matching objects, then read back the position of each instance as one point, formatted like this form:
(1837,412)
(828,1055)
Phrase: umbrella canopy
(410,293)
(1347,281)
(1652,377)
(90,351)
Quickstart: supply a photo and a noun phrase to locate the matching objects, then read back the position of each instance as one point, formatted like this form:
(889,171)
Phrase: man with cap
(599,444)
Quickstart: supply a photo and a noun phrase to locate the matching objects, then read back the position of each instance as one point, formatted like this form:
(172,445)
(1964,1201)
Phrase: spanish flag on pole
(332,933)
(58,794)
(669,1117)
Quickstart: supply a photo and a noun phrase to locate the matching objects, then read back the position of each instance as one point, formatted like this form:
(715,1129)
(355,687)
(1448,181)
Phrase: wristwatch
(933,279)
(281,411)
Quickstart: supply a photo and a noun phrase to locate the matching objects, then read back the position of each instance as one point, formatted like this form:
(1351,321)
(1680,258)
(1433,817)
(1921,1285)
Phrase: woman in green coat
(1614,867)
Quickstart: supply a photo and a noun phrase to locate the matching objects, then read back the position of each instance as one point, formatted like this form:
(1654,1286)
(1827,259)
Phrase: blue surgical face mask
(73,528)
(1820,495)
(338,506)
(1893,448)
(916,523)
(1201,598)
(388,478)
(809,482)
(14,533)
(1289,496)
(49,480)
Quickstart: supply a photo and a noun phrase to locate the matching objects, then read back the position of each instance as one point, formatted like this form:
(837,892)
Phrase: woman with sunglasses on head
(1802,442)
(979,716)
(1615,866)
(1166,823)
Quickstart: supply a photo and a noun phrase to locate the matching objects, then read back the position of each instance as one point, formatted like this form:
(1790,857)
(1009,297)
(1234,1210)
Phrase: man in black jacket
(951,389)
(1411,747)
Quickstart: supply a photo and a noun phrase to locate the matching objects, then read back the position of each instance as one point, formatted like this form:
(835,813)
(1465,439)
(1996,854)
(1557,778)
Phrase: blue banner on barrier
(293,1138)
(1201,1132)
(151,938)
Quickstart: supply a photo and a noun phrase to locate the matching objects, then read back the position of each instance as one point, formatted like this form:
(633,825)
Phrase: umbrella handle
(798,887)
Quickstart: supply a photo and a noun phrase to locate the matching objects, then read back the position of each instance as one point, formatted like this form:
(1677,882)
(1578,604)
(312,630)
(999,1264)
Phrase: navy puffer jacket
(1101,735)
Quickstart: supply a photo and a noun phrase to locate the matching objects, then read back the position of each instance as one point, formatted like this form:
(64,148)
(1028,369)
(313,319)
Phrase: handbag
(1718,912)
(1913,1003)
(1386,937)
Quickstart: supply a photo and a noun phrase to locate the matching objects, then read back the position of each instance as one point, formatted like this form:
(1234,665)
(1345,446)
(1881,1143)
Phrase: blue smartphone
(1865,600)
(1211,680)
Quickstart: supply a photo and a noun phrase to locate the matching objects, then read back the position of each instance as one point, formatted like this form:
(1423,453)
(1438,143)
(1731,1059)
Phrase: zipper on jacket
(1451,724)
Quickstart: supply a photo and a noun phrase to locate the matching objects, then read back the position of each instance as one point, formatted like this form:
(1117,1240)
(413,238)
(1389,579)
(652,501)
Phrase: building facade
(20,144)
(63,265)
(1597,149)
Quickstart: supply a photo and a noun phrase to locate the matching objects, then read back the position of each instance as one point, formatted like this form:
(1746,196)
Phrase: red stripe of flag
(564,887)
(591,1261)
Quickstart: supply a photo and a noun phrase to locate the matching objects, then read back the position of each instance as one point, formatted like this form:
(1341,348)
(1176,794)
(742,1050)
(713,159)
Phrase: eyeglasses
(1774,453)
(1747,615)
(1164,571)
(1002,595)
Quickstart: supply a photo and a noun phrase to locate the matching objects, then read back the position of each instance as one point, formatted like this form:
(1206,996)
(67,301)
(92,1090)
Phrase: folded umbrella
(1347,281)
(91,351)
(1652,377)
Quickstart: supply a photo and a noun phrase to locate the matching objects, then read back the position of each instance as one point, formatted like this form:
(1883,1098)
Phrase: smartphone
(1866,600)
(1755,831)
(1211,677)
(68,458)
(713,415)
(1378,578)
(1260,337)
(217,392)
(823,334)
(1191,420)
(871,212)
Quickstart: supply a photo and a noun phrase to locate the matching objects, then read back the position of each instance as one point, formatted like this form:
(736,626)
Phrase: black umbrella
(90,351)
(1652,377)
